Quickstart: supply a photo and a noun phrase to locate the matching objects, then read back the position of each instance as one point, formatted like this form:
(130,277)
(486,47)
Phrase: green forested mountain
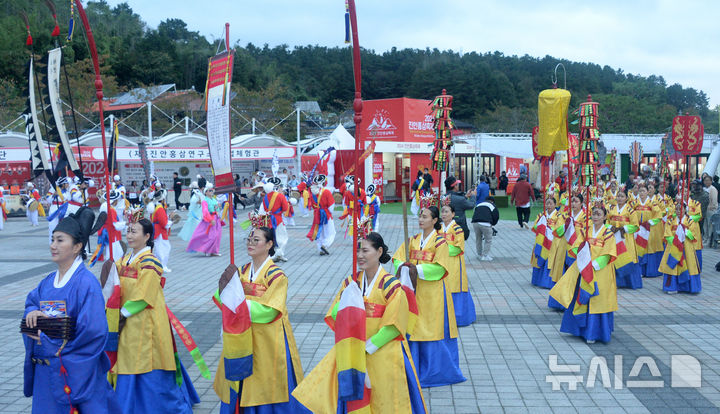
(495,92)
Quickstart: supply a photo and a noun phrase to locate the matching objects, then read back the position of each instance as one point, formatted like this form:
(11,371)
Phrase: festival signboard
(399,119)
(512,170)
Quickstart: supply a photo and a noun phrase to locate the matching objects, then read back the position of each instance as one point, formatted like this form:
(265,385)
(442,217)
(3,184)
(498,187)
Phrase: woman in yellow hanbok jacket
(574,223)
(433,341)
(541,260)
(649,238)
(276,368)
(394,386)
(457,280)
(147,372)
(588,288)
(624,223)
(679,263)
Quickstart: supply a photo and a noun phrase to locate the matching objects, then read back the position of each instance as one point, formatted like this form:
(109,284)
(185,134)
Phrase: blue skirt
(464,308)
(650,264)
(152,392)
(698,253)
(591,326)
(291,406)
(629,276)
(683,283)
(47,379)
(541,275)
(437,362)
(416,400)
(553,304)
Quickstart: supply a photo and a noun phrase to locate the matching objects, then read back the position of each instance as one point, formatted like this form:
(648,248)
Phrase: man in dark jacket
(485,216)
(460,202)
(177,189)
(503,185)
(698,194)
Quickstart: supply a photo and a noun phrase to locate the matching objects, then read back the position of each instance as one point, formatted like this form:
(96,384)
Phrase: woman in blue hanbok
(69,376)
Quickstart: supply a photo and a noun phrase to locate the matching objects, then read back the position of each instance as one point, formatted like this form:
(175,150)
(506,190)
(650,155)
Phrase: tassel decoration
(29,39)
(56,29)
(71,24)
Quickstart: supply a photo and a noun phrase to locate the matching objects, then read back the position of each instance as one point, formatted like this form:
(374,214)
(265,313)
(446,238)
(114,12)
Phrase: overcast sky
(675,39)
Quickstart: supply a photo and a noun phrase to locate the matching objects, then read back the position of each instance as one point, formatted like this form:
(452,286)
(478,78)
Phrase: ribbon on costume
(189,343)
(59,213)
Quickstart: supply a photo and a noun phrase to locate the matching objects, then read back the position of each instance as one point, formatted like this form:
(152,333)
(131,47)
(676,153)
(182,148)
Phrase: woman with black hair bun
(457,279)
(389,363)
(276,367)
(64,375)
(433,340)
(145,370)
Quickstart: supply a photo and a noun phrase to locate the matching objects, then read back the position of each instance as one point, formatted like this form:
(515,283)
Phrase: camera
(495,232)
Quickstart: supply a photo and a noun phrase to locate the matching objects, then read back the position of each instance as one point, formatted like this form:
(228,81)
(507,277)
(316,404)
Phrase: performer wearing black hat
(65,364)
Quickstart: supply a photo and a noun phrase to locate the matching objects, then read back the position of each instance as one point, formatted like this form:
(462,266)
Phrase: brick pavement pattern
(505,355)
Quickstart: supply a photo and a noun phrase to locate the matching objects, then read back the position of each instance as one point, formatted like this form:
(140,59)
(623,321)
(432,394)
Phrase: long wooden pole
(405,224)
(99,95)
(357,107)
(231,208)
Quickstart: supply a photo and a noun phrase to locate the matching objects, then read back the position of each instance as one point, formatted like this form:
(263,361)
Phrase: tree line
(492,91)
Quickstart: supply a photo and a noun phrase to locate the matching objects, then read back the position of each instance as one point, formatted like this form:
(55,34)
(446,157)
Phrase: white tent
(339,138)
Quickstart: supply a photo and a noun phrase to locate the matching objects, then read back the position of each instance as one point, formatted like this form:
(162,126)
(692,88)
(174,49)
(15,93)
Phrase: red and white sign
(377,174)
(398,119)
(512,168)
(159,154)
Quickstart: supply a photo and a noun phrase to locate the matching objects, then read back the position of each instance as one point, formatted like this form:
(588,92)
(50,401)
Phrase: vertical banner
(53,84)
(217,101)
(512,168)
(377,173)
(38,154)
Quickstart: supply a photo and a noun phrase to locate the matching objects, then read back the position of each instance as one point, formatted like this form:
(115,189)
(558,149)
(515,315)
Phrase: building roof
(310,107)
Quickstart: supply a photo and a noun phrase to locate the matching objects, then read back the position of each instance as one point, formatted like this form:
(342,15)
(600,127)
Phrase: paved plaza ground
(508,355)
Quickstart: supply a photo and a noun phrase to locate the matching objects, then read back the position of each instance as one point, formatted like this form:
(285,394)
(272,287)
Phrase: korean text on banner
(218,119)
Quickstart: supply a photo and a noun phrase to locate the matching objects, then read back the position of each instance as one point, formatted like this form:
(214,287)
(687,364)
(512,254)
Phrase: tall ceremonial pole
(99,95)
(357,107)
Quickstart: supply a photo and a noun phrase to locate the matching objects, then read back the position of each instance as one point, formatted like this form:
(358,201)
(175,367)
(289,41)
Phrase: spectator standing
(493,183)
(427,187)
(503,181)
(522,196)
(698,194)
(712,205)
(283,176)
(485,216)
(177,189)
(293,183)
(133,194)
(482,191)
(630,183)
(716,184)
(460,202)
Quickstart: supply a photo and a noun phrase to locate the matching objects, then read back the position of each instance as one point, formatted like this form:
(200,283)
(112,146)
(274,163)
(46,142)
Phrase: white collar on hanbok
(66,277)
(620,210)
(597,233)
(136,255)
(368,287)
(575,217)
(445,228)
(253,271)
(425,241)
